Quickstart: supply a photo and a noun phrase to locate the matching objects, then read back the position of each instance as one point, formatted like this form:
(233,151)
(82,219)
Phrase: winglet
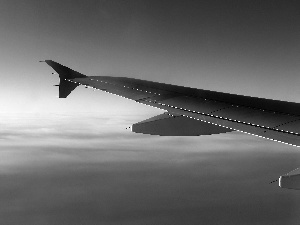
(66,86)
(63,71)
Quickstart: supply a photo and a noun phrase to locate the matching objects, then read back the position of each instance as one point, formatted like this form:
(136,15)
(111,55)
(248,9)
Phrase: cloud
(56,172)
(143,190)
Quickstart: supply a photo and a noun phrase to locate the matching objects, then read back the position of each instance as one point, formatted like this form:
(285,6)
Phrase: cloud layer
(62,172)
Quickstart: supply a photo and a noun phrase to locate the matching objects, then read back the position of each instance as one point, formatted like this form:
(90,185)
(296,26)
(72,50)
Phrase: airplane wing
(191,111)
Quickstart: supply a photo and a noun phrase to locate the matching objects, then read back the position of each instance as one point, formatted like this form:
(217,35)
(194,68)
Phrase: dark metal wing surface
(266,118)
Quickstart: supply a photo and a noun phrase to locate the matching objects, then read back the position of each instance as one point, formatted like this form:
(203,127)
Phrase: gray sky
(249,48)
(71,161)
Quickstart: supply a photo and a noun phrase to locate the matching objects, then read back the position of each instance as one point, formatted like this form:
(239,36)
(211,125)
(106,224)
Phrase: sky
(71,161)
